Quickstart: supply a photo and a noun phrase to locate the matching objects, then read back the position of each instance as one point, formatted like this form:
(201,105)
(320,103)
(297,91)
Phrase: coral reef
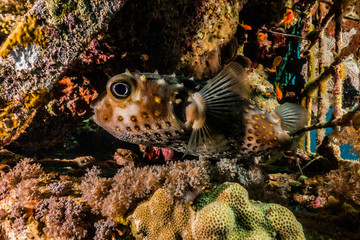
(340,187)
(11,13)
(218,21)
(23,71)
(26,33)
(174,36)
(55,59)
(114,197)
(224,212)
(35,204)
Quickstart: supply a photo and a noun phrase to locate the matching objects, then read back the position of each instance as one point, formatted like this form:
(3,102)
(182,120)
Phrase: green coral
(223,213)
(58,9)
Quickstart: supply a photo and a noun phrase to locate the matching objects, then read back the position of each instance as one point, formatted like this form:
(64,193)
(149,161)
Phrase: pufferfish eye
(121,90)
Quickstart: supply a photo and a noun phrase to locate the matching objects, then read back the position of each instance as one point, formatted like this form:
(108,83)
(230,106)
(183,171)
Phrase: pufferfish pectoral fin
(206,140)
(293,117)
(223,94)
(217,103)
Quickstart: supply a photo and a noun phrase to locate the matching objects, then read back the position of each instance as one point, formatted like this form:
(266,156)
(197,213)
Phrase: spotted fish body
(218,119)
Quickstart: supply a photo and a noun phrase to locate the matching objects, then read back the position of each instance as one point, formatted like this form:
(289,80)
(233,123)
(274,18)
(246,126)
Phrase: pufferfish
(215,119)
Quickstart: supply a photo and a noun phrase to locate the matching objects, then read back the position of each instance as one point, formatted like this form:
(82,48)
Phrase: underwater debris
(224,211)
(53,86)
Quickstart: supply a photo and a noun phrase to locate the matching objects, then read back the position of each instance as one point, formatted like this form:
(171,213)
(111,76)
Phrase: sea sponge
(223,213)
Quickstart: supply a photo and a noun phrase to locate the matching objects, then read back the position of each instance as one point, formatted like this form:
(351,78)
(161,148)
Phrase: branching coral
(341,187)
(113,197)
(22,172)
(104,229)
(223,213)
(347,135)
(38,205)
(64,218)
(73,96)
(96,53)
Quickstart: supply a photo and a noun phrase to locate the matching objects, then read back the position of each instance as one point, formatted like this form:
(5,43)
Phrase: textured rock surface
(38,52)
(61,54)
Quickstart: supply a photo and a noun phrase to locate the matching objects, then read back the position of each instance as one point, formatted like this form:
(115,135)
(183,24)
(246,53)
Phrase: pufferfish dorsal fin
(222,93)
(232,79)
(293,117)
(219,99)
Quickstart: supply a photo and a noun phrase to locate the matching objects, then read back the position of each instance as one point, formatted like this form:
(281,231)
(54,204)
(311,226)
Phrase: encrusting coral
(28,32)
(223,213)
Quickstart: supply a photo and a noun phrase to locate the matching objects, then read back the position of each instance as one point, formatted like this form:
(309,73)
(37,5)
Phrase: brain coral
(223,213)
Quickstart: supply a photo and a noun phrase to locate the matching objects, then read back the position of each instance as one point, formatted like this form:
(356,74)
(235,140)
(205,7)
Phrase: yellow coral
(7,120)
(34,99)
(160,218)
(28,32)
(218,25)
(223,213)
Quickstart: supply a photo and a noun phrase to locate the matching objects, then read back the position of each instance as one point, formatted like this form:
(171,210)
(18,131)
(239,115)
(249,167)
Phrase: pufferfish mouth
(180,102)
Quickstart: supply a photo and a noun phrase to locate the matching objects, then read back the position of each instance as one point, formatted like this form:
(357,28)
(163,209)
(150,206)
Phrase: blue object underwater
(346,152)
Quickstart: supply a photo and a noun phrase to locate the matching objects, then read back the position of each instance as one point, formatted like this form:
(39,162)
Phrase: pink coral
(113,197)
(96,52)
(23,171)
(342,185)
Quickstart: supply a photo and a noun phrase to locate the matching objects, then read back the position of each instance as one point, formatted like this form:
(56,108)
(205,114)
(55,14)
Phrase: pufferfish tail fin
(217,103)
(293,117)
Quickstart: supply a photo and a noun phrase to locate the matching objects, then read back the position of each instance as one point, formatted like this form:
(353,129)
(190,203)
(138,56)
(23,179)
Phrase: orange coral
(74,95)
